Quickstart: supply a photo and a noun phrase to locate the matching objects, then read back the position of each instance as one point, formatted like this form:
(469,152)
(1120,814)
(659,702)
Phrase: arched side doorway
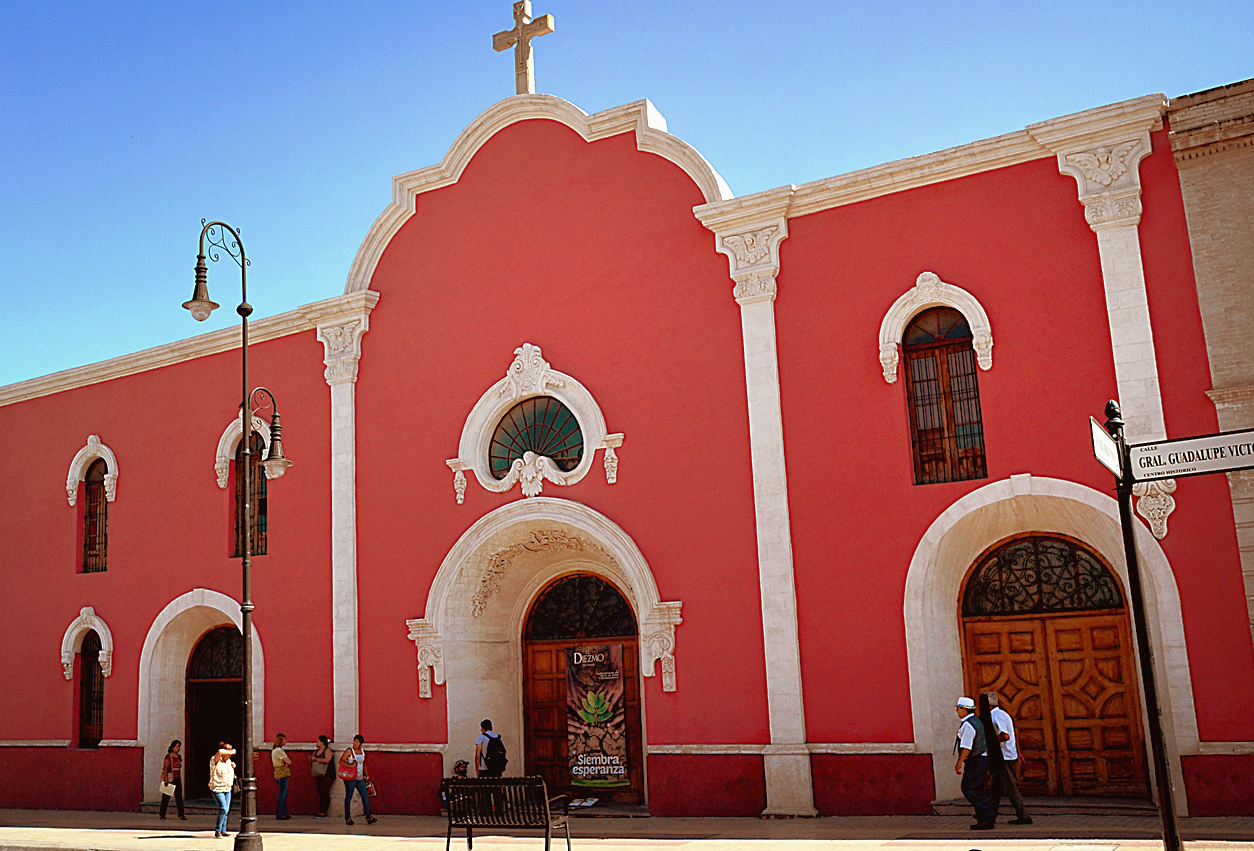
(581,691)
(215,693)
(1045,627)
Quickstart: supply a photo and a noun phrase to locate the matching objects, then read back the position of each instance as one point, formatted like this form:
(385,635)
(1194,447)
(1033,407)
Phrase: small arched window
(257,484)
(946,427)
(542,425)
(90,692)
(95,519)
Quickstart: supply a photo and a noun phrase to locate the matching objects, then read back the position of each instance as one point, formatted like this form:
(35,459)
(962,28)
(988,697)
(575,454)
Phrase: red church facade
(817,425)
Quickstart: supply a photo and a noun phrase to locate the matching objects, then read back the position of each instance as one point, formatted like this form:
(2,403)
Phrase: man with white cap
(972,763)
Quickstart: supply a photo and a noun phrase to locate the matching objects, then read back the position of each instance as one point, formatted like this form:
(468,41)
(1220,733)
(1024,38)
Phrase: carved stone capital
(657,642)
(341,344)
(1108,177)
(430,651)
(1155,503)
(753,253)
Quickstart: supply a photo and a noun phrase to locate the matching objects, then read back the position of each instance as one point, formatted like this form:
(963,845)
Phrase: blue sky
(123,124)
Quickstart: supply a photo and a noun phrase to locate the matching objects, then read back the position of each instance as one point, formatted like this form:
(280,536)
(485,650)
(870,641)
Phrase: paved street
(48,829)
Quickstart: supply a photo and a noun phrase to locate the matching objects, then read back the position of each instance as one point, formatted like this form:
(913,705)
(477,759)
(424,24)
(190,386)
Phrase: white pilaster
(1102,149)
(341,332)
(752,248)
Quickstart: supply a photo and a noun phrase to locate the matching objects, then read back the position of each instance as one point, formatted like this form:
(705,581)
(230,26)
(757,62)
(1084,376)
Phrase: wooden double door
(544,708)
(1069,683)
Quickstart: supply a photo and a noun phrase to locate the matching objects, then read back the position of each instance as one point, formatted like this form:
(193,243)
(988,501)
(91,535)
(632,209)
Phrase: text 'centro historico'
(1192,456)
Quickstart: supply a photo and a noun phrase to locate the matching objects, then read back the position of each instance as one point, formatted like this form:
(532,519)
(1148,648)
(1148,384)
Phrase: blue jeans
(224,809)
(360,787)
(280,809)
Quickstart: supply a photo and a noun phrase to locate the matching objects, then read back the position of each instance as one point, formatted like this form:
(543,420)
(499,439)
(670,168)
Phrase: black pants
(974,773)
(178,800)
(323,783)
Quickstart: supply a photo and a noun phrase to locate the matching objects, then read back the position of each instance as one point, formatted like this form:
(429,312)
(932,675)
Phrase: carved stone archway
(468,639)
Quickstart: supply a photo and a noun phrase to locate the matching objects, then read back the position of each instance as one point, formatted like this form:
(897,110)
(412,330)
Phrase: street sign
(1193,456)
(1105,449)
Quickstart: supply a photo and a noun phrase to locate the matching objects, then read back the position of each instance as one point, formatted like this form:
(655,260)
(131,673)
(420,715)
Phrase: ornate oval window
(542,425)
(1037,575)
(578,607)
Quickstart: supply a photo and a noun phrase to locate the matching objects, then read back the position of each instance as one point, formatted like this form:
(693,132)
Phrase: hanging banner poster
(596,718)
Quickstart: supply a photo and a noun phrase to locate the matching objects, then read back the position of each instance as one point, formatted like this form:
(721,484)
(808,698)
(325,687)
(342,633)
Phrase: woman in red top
(172,772)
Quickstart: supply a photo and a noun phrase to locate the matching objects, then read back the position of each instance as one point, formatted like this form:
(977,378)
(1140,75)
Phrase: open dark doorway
(215,693)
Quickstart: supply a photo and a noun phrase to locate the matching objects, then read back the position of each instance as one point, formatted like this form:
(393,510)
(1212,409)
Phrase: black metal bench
(513,802)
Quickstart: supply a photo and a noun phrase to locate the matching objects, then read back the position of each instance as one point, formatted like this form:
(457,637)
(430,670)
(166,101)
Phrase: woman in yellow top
(221,778)
(282,775)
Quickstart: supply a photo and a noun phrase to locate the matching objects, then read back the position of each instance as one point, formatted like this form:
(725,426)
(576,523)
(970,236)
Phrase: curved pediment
(641,116)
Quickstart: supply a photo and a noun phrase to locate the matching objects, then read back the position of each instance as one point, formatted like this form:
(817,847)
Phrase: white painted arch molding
(656,619)
(641,116)
(78,469)
(86,621)
(230,439)
(930,291)
(528,376)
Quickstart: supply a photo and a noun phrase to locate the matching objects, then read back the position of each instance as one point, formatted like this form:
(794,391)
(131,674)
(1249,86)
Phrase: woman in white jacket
(221,779)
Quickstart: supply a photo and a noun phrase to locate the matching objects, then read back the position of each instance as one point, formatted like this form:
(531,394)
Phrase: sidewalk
(26,830)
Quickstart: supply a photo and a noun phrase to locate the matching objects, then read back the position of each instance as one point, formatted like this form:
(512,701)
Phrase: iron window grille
(95,519)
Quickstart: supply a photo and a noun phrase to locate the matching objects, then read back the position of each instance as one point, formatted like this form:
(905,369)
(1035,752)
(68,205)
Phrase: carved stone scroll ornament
(541,541)
(530,373)
(459,468)
(83,459)
(657,642)
(430,649)
(1155,503)
(930,291)
(611,442)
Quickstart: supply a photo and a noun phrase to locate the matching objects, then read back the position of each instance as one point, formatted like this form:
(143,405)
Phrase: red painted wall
(872,784)
(711,785)
(594,256)
(66,779)
(1219,785)
(169,532)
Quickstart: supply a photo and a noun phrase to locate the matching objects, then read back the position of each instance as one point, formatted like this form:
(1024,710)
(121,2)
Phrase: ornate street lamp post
(221,237)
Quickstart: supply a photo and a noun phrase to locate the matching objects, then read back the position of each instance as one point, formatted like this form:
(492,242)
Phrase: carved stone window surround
(930,291)
(83,460)
(230,439)
(528,376)
(87,621)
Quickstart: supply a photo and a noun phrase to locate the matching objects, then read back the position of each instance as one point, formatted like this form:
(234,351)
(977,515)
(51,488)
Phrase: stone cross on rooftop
(520,38)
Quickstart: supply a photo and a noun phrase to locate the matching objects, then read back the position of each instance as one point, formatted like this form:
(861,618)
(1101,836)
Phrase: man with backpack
(490,756)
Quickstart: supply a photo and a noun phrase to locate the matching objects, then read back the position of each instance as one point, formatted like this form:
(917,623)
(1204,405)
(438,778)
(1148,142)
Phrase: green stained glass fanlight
(542,425)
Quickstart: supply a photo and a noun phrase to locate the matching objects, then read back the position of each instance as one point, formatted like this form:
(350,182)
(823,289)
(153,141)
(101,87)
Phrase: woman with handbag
(172,779)
(221,782)
(320,767)
(352,771)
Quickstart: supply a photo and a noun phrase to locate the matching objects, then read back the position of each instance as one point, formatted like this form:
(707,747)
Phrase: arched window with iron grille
(90,692)
(257,481)
(95,519)
(943,393)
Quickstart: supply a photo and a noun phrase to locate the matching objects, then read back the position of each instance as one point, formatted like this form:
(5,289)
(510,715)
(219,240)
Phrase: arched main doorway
(215,691)
(1045,626)
(581,691)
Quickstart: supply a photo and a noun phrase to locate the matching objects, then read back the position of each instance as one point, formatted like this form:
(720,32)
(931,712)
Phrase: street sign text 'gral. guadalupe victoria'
(1192,456)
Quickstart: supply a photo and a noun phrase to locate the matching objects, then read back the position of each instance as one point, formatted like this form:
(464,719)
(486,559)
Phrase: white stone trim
(163,671)
(229,441)
(1226,748)
(73,641)
(982,518)
(35,743)
(118,743)
(340,332)
(470,645)
(641,116)
(811,747)
(259,330)
(83,459)
(930,291)
(528,376)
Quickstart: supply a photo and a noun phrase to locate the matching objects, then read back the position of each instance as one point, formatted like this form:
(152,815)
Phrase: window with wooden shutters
(95,519)
(90,693)
(257,484)
(946,428)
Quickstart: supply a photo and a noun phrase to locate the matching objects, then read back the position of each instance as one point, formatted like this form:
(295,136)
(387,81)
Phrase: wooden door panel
(1009,658)
(1095,687)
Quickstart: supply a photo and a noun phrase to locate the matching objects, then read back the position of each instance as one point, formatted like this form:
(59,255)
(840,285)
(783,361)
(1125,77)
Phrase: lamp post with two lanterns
(223,239)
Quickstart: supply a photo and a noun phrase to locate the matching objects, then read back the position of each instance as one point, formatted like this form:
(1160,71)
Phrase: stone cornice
(640,116)
(304,318)
(1032,143)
